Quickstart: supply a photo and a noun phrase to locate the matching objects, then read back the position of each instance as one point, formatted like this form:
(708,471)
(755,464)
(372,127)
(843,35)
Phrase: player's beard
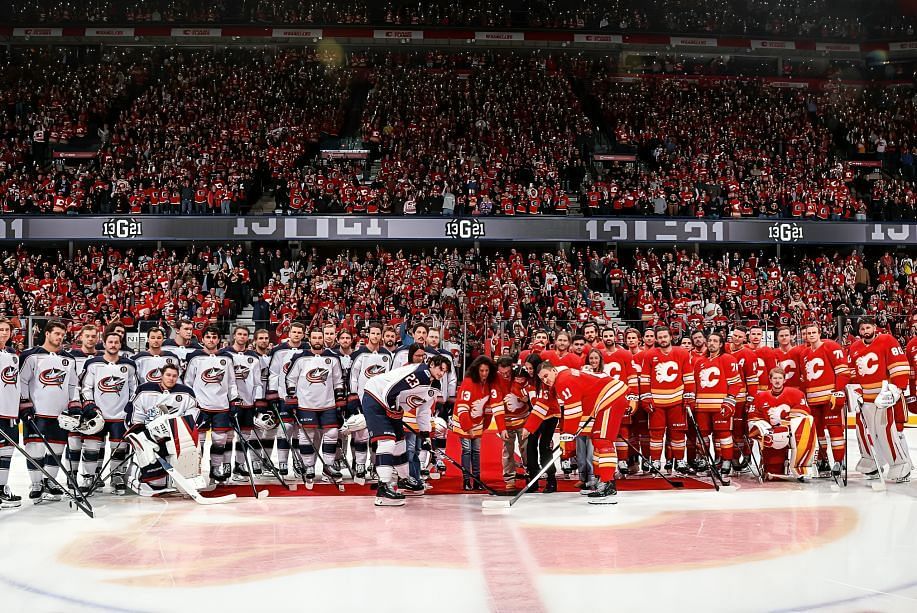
(868,339)
(319,347)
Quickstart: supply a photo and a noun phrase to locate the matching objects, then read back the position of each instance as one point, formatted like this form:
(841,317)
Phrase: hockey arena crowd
(466,133)
(350,346)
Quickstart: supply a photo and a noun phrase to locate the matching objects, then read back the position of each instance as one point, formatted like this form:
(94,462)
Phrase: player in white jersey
(183,345)
(48,386)
(419,333)
(247,367)
(344,351)
(384,401)
(281,356)
(265,436)
(150,362)
(315,389)
(210,373)
(162,423)
(367,362)
(89,336)
(9,412)
(108,385)
(449,386)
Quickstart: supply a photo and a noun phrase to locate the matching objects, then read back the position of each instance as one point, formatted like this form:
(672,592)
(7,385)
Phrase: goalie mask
(265,421)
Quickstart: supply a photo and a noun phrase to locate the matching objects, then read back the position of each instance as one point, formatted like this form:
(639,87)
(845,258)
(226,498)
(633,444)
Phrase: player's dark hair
(440,360)
(298,324)
(212,330)
(112,333)
(54,324)
(237,328)
(169,366)
(418,326)
(184,321)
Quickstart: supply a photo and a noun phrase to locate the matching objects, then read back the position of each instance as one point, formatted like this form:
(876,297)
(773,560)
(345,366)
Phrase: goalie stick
(85,507)
(182,484)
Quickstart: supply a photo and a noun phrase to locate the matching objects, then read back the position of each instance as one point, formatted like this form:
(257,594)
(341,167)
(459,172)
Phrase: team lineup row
(313,393)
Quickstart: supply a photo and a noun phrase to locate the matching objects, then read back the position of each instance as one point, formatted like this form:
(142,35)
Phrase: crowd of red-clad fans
(489,300)
(808,18)
(169,131)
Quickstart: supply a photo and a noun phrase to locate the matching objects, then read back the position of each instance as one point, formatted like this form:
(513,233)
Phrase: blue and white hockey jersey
(316,380)
(152,400)
(279,366)
(213,379)
(407,387)
(109,387)
(247,368)
(365,365)
(9,384)
(48,381)
(149,366)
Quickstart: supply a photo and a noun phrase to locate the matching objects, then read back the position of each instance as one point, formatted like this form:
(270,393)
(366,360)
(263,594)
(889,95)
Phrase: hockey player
(108,385)
(384,399)
(209,372)
(473,415)
(150,362)
(184,344)
(881,373)
(48,387)
(315,391)
(583,395)
(89,336)
(266,436)
(666,390)
(825,374)
(368,361)
(9,412)
(639,418)
(718,384)
(510,408)
(780,420)
(619,364)
(788,356)
(747,363)
(344,351)
(416,355)
(162,423)
(247,369)
(446,404)
(767,357)
(279,365)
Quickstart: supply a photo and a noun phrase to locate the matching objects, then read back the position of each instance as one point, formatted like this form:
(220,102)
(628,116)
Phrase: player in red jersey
(911,352)
(561,354)
(748,373)
(767,356)
(619,364)
(781,422)
(718,385)
(583,395)
(826,373)
(639,418)
(881,373)
(788,354)
(666,389)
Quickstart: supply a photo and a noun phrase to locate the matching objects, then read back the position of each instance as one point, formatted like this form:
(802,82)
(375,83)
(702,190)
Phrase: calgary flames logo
(10,375)
(666,372)
(814,369)
(374,370)
(213,375)
(111,385)
(242,372)
(317,375)
(867,364)
(709,376)
(52,377)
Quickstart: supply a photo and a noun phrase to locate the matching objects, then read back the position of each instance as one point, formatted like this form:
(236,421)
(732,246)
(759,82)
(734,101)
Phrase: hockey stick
(189,489)
(714,471)
(555,455)
(295,449)
(674,484)
(264,458)
(99,481)
(251,477)
(467,474)
(84,507)
(318,454)
(67,475)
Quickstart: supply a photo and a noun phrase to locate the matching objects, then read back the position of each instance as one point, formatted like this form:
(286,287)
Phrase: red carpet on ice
(451,483)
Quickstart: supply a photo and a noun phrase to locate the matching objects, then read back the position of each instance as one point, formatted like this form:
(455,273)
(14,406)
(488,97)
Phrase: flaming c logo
(213,375)
(10,375)
(317,375)
(111,385)
(52,377)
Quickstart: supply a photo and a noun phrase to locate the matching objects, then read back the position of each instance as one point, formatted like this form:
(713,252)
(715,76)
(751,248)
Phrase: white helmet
(354,423)
(70,423)
(265,421)
(92,424)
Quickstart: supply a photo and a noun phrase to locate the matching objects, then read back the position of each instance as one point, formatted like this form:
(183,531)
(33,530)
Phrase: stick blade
(263,494)
(217,500)
(495,504)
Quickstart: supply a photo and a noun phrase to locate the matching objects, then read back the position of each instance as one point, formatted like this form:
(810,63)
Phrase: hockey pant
(713,422)
(834,420)
(790,443)
(34,446)
(605,430)
(674,420)
(885,444)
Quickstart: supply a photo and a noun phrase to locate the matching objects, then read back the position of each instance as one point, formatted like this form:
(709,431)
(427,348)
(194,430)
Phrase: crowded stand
(795,18)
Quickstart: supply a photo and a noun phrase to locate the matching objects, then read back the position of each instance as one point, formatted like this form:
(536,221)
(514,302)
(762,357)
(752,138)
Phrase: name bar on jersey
(518,229)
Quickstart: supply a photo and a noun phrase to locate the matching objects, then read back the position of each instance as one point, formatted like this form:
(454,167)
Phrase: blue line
(34,590)
(849,600)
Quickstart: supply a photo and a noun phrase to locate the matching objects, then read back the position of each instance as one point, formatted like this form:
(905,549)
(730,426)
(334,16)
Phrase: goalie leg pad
(802,443)
(884,439)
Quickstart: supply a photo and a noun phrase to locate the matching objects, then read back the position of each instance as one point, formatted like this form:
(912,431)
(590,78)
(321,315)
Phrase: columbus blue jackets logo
(154,376)
(213,375)
(286,367)
(10,375)
(111,385)
(414,401)
(52,377)
(242,372)
(317,375)
(373,370)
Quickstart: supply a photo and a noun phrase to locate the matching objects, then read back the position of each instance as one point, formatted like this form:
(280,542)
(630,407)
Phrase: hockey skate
(86,485)
(903,479)
(668,467)
(50,491)
(239,473)
(700,466)
(566,466)
(118,484)
(308,475)
(8,500)
(359,474)
(743,465)
(386,496)
(334,476)
(410,486)
(622,470)
(589,486)
(603,494)
(256,468)
(682,468)
(217,475)
(657,464)
(371,476)
(283,469)
(823,468)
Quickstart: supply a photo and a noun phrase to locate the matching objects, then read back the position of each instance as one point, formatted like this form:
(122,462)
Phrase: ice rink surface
(776,547)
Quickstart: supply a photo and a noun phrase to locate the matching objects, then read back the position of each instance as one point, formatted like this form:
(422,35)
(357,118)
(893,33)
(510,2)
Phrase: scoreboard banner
(505,229)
